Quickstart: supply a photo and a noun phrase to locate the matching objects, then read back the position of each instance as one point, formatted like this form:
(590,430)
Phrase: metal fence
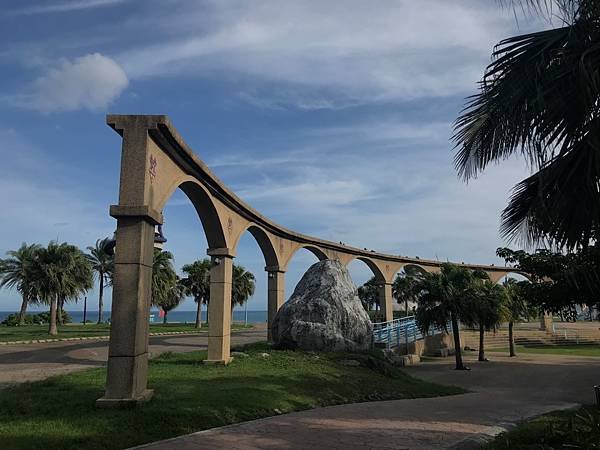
(400,331)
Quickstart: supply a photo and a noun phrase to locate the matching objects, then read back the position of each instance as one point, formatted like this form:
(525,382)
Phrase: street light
(159,241)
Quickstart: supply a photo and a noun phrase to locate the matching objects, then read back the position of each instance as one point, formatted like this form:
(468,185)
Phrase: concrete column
(276,297)
(385,301)
(219,308)
(132,289)
(546,322)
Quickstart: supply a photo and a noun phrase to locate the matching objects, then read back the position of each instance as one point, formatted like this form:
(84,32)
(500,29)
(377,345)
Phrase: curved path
(503,392)
(30,362)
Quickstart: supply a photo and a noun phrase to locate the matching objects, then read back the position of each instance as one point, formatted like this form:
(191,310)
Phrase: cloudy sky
(332,118)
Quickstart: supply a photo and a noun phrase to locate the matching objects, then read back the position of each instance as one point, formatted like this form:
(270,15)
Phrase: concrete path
(31,362)
(503,392)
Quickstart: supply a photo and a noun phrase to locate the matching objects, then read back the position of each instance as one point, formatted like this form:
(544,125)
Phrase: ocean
(173,316)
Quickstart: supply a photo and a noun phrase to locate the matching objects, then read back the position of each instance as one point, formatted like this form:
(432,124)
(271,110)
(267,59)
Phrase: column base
(124,403)
(217,362)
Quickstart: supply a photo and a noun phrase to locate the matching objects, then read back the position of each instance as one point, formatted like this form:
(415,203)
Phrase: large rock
(324,313)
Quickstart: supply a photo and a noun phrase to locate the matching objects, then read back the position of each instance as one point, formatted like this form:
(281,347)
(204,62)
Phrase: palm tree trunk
(481,337)
(23,311)
(199,313)
(406,307)
(59,312)
(100,298)
(53,330)
(511,339)
(457,350)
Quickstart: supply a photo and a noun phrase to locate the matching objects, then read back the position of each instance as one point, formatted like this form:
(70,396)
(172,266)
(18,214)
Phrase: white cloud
(91,81)
(341,53)
(73,5)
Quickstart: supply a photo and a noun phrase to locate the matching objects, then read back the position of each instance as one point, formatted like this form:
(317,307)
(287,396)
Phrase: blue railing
(400,331)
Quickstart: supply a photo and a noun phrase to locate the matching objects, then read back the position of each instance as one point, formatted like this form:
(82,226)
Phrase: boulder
(324,313)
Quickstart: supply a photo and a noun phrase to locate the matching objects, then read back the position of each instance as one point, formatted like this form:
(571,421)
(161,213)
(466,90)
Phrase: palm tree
(369,294)
(540,97)
(197,284)
(164,278)
(405,287)
(443,298)
(242,287)
(515,308)
(61,272)
(15,272)
(174,296)
(486,299)
(102,260)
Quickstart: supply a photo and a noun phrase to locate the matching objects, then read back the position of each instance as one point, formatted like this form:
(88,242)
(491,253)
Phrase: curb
(95,338)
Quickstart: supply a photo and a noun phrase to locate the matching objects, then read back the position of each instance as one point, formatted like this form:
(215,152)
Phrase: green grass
(568,350)
(59,413)
(561,429)
(34,332)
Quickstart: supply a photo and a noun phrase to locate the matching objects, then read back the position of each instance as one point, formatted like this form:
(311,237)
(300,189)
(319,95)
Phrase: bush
(12,320)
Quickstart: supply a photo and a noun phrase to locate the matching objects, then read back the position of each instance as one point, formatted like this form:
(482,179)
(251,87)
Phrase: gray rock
(324,313)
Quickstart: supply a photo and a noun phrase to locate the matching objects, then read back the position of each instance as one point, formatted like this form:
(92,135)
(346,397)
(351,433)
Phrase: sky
(332,118)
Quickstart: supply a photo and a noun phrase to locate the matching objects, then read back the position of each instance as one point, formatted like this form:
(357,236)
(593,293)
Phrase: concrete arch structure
(155,161)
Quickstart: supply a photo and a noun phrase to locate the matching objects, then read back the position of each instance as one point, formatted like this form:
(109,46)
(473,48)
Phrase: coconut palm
(485,309)
(102,260)
(405,286)
(243,285)
(540,97)
(164,278)
(15,272)
(515,308)
(61,272)
(443,298)
(197,284)
(369,294)
(173,298)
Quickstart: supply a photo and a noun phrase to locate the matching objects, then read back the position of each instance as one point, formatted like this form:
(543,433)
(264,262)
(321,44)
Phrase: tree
(15,272)
(540,97)
(197,284)
(515,308)
(61,272)
(102,261)
(173,298)
(405,287)
(164,280)
(243,285)
(369,294)
(485,309)
(443,298)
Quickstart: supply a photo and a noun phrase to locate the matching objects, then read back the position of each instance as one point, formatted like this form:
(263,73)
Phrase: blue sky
(331,118)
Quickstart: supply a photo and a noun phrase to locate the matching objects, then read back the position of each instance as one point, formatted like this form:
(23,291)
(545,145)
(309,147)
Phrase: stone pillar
(127,370)
(275,296)
(219,307)
(546,322)
(385,301)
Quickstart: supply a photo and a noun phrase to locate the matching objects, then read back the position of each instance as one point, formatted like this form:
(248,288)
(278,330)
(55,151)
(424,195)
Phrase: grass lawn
(561,429)
(59,413)
(32,332)
(572,350)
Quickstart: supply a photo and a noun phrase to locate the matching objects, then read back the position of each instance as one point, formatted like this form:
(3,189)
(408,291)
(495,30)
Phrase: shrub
(12,320)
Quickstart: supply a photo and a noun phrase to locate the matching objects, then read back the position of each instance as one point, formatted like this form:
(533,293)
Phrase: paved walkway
(503,392)
(31,362)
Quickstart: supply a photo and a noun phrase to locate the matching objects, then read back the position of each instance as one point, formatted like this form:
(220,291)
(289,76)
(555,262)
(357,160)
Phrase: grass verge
(568,350)
(35,332)
(59,413)
(561,429)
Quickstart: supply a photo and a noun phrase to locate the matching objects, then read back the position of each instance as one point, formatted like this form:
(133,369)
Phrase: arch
(209,217)
(496,279)
(320,254)
(377,273)
(264,242)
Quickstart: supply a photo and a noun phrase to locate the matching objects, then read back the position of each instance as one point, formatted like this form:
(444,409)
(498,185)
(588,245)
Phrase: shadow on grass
(189,396)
